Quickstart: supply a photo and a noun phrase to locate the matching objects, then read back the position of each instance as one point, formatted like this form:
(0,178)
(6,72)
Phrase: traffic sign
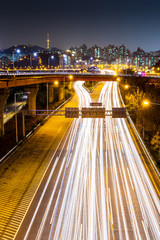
(72,112)
(93,112)
(119,112)
(96,104)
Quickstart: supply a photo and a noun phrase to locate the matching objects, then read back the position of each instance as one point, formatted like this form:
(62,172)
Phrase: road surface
(9,111)
(96,187)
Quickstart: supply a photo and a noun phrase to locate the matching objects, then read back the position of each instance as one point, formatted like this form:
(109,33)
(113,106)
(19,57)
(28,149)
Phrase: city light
(126,86)
(35,54)
(56,83)
(146,103)
(18,51)
(70,77)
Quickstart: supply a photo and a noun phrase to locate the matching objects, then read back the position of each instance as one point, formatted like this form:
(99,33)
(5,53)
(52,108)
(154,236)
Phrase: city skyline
(90,23)
(75,47)
(73,56)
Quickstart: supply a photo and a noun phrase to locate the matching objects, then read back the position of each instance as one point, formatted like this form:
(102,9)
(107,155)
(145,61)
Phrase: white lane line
(130,178)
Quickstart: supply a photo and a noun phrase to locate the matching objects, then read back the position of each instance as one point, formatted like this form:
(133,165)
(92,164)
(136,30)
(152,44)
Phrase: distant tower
(47,41)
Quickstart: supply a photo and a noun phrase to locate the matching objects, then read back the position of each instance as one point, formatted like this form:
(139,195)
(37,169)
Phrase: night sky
(72,23)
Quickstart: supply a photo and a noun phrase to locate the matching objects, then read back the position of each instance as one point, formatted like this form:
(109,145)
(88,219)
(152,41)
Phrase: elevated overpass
(25,78)
(31,80)
(10,80)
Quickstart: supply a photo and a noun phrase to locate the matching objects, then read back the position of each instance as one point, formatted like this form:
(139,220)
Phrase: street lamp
(17,51)
(16,125)
(34,55)
(128,86)
(56,83)
(47,98)
(50,58)
(90,60)
(71,77)
(147,103)
(126,65)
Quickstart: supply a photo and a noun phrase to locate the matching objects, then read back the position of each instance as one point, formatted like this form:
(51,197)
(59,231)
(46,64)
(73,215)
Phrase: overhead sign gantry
(95,111)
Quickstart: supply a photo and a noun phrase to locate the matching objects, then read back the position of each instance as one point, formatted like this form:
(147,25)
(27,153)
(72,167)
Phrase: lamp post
(56,83)
(16,125)
(17,51)
(34,55)
(128,86)
(47,98)
(90,60)
(138,100)
(50,58)
(146,103)
(127,65)
(64,79)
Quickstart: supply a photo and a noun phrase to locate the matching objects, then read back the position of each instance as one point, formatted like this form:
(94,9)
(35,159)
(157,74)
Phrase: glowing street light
(17,51)
(146,103)
(71,77)
(50,58)
(126,86)
(34,55)
(56,83)
(90,60)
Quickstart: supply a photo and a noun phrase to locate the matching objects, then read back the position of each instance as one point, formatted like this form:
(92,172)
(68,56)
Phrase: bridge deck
(25,78)
(30,79)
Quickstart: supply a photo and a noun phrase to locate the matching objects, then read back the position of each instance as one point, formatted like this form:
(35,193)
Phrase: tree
(156,142)
(134,100)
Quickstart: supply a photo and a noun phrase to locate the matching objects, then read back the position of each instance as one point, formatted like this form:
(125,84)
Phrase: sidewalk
(24,169)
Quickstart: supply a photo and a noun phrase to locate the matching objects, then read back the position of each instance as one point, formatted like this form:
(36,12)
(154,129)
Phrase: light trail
(102,190)
(148,202)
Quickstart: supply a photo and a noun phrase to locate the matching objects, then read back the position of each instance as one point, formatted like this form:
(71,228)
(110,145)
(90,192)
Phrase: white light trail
(102,190)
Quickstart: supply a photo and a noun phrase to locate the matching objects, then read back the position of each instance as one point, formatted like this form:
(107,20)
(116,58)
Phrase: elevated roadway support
(50,92)
(4,94)
(33,90)
(61,93)
(70,85)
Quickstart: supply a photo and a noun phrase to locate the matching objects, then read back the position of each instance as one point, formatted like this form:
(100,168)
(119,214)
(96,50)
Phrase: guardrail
(140,141)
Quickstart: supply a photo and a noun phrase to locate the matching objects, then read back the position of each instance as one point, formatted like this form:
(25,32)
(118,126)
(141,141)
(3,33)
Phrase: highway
(96,187)
(9,111)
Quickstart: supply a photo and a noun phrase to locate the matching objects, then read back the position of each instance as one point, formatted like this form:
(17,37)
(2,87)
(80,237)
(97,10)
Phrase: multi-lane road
(96,187)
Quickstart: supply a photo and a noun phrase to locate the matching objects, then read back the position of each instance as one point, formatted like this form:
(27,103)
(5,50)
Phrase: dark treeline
(146,118)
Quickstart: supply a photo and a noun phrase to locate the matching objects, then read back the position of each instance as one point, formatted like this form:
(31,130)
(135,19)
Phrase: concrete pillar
(4,94)
(70,86)
(50,92)
(33,89)
(61,93)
